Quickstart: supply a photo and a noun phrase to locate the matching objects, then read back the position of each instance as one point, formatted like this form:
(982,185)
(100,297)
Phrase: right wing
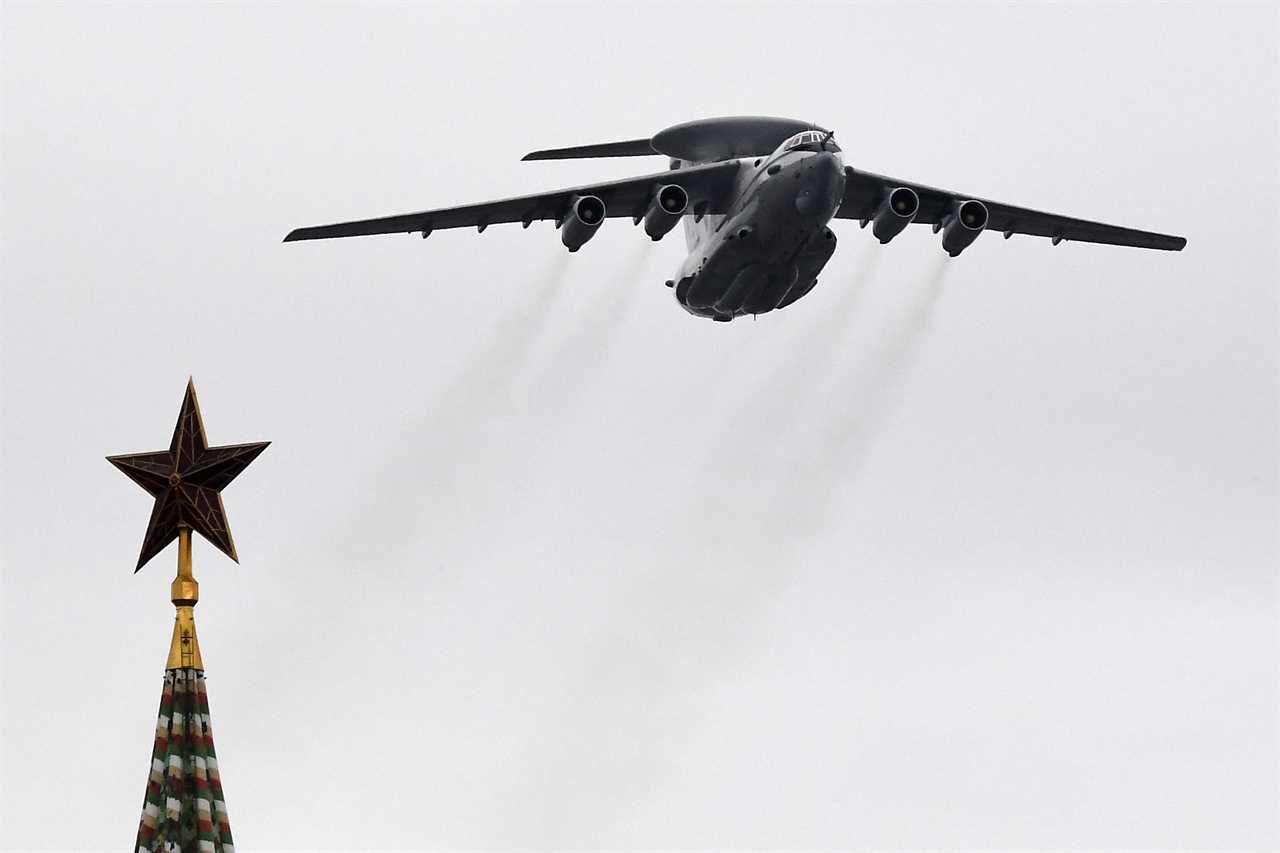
(708,187)
(864,192)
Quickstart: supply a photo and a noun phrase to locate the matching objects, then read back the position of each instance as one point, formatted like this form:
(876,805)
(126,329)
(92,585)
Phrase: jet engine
(896,213)
(669,204)
(580,224)
(963,225)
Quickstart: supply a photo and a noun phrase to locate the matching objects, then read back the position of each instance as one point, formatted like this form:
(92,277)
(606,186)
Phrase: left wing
(864,193)
(707,186)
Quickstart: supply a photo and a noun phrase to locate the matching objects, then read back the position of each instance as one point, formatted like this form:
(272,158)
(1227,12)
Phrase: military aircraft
(756,195)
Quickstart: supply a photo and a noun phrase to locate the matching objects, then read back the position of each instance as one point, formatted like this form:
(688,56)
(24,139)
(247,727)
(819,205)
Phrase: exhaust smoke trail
(561,378)
(717,564)
(792,384)
(452,428)
(834,449)
(503,353)
(737,539)
(596,324)
(768,427)
(853,293)
(872,388)
(456,467)
(558,383)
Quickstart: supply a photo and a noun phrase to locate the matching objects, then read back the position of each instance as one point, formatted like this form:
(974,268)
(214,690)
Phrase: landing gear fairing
(756,196)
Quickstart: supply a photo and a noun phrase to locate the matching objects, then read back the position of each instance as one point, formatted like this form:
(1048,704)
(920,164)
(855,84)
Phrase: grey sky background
(948,555)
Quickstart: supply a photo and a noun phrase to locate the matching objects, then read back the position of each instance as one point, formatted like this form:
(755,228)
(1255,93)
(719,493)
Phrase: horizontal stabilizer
(629,148)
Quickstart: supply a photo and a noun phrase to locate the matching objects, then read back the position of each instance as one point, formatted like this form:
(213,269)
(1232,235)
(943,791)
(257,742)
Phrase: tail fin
(628,148)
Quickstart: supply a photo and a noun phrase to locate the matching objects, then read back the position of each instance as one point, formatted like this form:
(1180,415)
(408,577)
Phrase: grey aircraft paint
(756,195)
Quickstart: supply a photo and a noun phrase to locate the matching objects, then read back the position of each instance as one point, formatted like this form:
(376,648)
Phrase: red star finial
(186,481)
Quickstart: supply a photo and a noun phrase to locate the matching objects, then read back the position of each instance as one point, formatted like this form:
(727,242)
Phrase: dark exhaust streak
(867,393)
(419,484)
(717,564)
(561,378)
(740,533)
(794,383)
(778,401)
(596,324)
(559,382)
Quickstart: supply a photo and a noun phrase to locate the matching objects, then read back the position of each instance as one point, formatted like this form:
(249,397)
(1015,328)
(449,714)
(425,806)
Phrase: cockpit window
(810,140)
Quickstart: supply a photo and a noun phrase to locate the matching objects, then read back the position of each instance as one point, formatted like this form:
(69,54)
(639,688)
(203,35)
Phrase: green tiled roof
(184,811)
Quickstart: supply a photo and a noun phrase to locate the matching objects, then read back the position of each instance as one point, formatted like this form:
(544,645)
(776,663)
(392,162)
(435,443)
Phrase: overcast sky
(949,554)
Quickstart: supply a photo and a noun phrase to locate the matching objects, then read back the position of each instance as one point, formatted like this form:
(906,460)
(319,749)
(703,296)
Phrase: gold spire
(184,648)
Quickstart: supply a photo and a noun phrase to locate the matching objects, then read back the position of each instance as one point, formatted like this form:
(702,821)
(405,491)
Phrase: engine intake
(668,205)
(895,213)
(963,225)
(586,212)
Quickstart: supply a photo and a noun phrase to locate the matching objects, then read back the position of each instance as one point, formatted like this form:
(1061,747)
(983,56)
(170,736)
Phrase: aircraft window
(807,137)
(812,140)
(794,142)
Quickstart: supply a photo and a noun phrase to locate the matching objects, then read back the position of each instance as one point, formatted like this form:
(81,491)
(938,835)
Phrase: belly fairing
(740,278)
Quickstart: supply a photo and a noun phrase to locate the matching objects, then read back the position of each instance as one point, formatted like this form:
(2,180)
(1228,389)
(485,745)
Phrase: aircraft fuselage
(767,250)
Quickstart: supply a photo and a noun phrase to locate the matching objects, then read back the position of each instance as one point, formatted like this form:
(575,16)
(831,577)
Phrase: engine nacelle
(963,225)
(896,213)
(586,212)
(669,204)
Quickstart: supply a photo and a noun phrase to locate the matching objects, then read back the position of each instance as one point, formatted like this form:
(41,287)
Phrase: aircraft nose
(821,186)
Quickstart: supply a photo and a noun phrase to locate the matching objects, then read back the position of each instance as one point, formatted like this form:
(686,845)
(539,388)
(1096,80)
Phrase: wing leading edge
(708,188)
(864,193)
